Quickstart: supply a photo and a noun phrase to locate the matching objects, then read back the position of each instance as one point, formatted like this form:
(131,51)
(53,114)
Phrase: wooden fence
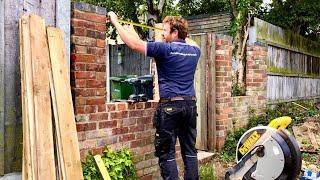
(293,62)
(125,61)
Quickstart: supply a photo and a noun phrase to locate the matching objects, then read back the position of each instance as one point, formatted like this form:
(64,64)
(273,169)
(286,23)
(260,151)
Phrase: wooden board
(63,108)
(211,92)
(102,168)
(29,153)
(156,93)
(200,85)
(42,103)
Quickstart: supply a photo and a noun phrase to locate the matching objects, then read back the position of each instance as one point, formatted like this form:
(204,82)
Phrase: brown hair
(179,24)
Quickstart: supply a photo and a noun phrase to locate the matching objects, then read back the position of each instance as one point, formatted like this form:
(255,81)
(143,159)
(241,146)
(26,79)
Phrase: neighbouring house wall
(215,23)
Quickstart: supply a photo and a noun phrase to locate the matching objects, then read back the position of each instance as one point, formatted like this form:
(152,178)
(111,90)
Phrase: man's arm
(132,40)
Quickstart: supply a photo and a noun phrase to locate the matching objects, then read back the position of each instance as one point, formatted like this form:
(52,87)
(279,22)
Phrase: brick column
(223,88)
(88,67)
(256,78)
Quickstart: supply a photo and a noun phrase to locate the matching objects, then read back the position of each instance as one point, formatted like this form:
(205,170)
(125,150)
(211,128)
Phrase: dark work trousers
(176,119)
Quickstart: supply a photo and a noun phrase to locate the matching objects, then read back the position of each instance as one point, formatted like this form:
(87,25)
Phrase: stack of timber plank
(50,143)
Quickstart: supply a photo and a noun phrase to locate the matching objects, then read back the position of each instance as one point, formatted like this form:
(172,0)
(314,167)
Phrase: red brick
(129,121)
(79,49)
(121,107)
(127,137)
(84,75)
(140,105)
(101,43)
(136,128)
(107,124)
(146,177)
(218,42)
(96,84)
(131,106)
(99,116)
(84,92)
(80,83)
(102,68)
(136,113)
(81,40)
(138,143)
(87,58)
(147,105)
(111,107)
(101,59)
(95,101)
(78,66)
(96,34)
(82,23)
(92,67)
(90,109)
(79,109)
(144,120)
(100,27)
(101,76)
(79,31)
(101,108)
(89,16)
(101,92)
(98,150)
(80,101)
(86,126)
(117,131)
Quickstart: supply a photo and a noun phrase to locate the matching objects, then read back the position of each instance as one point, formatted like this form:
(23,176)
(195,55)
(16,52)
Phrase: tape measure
(140,25)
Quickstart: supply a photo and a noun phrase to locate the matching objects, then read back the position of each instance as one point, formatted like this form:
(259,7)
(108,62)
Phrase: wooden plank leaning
(38,155)
(65,126)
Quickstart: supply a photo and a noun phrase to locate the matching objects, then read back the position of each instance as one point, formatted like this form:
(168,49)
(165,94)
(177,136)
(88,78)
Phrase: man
(176,114)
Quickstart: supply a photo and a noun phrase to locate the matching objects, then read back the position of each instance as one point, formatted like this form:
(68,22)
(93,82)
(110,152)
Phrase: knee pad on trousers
(163,143)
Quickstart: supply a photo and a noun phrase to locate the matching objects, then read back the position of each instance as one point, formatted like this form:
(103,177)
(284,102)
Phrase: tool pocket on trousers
(162,144)
(193,117)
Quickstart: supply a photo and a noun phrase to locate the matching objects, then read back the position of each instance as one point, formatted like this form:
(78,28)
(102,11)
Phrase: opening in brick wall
(129,74)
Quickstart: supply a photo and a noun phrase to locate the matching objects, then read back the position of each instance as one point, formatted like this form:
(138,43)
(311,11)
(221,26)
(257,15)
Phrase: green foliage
(198,7)
(207,172)
(229,150)
(118,163)
(299,113)
(237,90)
(302,17)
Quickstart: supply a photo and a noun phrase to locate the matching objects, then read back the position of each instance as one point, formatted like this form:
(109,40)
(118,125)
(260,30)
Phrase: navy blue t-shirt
(176,65)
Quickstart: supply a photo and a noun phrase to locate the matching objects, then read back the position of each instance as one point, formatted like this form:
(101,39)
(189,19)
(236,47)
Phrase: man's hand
(112,17)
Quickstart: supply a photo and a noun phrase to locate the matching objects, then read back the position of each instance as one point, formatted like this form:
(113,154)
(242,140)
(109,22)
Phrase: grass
(207,171)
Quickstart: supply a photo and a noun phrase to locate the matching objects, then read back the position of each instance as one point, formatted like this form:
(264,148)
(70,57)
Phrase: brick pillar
(223,88)
(256,78)
(88,67)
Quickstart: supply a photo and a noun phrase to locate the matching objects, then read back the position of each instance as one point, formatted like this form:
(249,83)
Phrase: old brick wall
(101,124)
(233,112)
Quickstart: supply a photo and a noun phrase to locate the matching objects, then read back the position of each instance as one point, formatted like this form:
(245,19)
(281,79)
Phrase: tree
(242,12)
(300,16)
(133,10)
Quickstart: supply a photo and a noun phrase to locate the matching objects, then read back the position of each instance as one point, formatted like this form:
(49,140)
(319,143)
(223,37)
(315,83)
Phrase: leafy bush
(299,111)
(118,163)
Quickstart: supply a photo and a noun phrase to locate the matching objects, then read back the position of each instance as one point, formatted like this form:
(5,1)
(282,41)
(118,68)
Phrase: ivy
(118,163)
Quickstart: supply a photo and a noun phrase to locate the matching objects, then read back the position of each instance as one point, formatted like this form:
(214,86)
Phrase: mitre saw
(267,152)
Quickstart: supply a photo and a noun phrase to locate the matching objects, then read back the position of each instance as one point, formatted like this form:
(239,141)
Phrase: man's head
(175,27)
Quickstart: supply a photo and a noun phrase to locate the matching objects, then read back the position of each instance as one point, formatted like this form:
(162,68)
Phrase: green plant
(228,152)
(237,90)
(299,113)
(207,172)
(118,163)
